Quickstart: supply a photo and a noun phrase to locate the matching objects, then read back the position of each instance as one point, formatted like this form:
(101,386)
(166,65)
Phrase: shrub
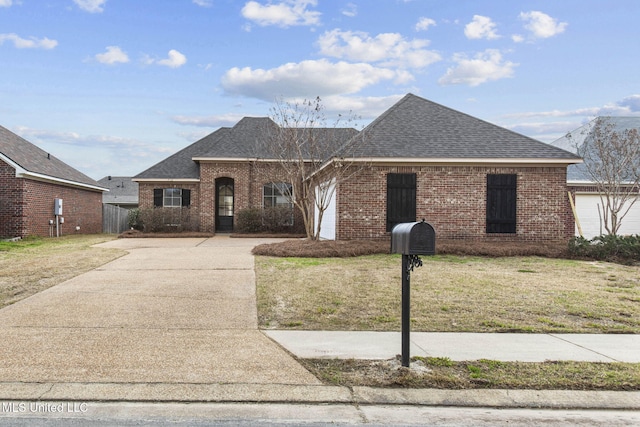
(268,220)
(135,220)
(608,247)
(169,220)
(278,219)
(249,220)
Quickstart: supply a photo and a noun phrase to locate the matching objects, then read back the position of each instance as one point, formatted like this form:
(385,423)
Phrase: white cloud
(541,25)
(517,38)
(350,10)
(31,43)
(203,3)
(632,103)
(552,124)
(91,6)
(628,106)
(229,119)
(387,49)
(284,14)
(113,55)
(365,107)
(485,66)
(424,24)
(174,60)
(304,79)
(481,27)
(6,3)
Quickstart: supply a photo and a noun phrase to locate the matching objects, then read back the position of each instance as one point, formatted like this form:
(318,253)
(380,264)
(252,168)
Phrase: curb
(311,394)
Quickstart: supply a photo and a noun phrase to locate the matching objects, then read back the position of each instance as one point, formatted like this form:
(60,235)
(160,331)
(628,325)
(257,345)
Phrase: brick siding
(453,200)
(249,179)
(26,206)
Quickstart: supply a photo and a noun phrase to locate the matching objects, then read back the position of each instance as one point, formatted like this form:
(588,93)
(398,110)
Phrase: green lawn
(449,294)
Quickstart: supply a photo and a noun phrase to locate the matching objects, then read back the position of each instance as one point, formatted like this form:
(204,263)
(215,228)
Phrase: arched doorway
(224,205)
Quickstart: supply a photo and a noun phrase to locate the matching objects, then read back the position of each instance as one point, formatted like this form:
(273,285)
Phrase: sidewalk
(461,346)
(175,321)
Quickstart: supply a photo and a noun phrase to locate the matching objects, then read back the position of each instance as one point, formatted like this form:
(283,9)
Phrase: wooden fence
(115,220)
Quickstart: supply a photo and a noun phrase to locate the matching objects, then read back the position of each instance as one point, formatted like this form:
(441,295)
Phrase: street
(250,414)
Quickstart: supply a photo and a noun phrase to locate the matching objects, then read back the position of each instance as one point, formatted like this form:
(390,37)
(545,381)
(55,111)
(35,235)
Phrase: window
(501,203)
(277,194)
(171,197)
(225,200)
(277,204)
(401,198)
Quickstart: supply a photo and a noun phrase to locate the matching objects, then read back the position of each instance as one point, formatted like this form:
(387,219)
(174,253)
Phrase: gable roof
(245,141)
(421,130)
(32,162)
(578,173)
(122,190)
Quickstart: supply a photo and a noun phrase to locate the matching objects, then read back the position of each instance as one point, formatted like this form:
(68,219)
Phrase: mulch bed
(298,246)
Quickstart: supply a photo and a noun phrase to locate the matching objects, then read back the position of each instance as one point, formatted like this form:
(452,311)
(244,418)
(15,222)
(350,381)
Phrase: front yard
(32,265)
(453,293)
(449,294)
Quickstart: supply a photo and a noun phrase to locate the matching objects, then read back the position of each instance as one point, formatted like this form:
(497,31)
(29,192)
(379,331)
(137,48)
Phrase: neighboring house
(470,179)
(587,199)
(123,192)
(31,181)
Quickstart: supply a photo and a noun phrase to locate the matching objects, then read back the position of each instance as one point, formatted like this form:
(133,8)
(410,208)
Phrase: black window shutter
(186,197)
(401,198)
(158,194)
(501,203)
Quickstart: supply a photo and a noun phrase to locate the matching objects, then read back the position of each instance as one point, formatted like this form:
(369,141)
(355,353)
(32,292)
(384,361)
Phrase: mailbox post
(410,239)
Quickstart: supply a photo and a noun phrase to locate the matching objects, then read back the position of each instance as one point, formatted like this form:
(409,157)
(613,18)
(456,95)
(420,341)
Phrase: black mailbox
(413,238)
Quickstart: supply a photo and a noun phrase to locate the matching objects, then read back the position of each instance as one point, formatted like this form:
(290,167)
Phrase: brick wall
(26,206)
(453,200)
(249,179)
(11,204)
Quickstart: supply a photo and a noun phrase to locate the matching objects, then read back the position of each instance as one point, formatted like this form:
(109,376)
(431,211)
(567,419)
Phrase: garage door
(589,209)
(328,226)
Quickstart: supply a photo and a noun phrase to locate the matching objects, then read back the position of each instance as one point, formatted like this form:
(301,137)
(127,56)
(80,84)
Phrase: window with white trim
(172,198)
(276,194)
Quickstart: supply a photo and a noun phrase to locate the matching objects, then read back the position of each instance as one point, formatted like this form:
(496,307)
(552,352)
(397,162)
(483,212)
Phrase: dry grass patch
(443,373)
(450,293)
(35,264)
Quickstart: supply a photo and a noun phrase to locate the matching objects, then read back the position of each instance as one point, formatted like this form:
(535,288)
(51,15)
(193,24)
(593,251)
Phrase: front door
(224,205)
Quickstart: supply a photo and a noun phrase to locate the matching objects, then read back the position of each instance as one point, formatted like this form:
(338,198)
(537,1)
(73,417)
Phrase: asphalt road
(245,414)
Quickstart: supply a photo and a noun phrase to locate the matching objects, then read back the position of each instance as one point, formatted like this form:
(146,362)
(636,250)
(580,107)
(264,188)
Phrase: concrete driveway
(172,311)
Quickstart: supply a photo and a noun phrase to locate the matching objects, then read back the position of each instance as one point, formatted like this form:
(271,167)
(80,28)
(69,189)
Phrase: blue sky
(113,86)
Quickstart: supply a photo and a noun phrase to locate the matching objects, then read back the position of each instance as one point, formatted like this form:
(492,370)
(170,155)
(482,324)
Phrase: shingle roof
(34,160)
(420,129)
(579,173)
(245,140)
(122,190)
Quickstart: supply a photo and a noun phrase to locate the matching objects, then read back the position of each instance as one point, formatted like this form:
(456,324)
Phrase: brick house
(219,175)
(470,179)
(30,182)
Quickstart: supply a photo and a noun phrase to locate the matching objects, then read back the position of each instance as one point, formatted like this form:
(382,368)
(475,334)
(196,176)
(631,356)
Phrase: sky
(112,87)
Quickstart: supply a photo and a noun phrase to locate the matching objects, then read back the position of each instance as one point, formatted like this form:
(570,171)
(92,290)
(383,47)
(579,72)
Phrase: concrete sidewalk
(462,346)
(175,320)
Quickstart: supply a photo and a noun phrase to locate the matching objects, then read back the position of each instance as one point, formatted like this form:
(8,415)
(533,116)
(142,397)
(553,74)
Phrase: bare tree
(612,161)
(304,149)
